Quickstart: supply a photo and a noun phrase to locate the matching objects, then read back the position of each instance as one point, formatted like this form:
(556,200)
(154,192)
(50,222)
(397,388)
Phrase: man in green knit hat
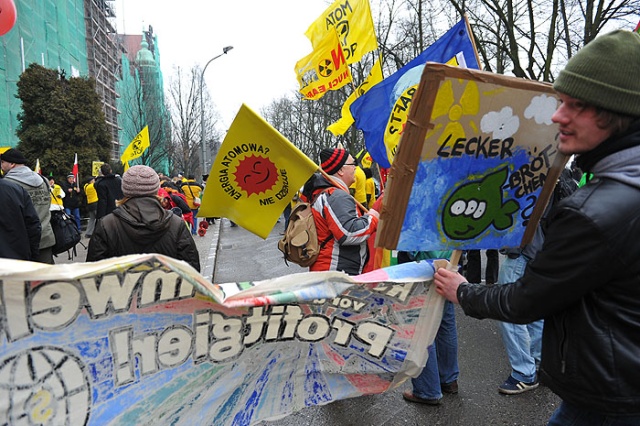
(585,282)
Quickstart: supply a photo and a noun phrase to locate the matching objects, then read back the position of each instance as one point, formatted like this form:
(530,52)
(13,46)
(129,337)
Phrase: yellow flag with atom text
(323,69)
(354,24)
(257,172)
(137,146)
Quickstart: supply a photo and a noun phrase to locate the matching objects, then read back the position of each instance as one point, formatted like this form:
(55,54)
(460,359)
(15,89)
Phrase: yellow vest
(359,186)
(371,191)
(57,194)
(92,195)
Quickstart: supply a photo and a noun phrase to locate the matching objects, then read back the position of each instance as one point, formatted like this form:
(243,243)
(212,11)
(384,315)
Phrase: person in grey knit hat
(140,181)
(585,281)
(141,225)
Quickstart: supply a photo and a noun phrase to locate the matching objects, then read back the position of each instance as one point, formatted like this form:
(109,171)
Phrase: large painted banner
(145,339)
(474,157)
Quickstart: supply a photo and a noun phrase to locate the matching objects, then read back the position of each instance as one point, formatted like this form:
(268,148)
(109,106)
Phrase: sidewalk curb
(210,264)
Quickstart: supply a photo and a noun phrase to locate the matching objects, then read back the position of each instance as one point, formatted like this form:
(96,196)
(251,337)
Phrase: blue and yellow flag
(346,120)
(381,113)
(257,172)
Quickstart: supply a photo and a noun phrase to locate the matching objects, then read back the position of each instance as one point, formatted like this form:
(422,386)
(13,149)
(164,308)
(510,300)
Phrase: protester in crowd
(585,282)
(92,204)
(109,189)
(72,199)
(192,190)
(369,187)
(20,227)
(205,177)
(343,227)
(15,169)
(171,197)
(474,266)
(57,194)
(440,374)
(141,225)
(358,188)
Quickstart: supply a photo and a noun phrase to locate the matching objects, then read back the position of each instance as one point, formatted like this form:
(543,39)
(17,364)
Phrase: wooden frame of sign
(417,145)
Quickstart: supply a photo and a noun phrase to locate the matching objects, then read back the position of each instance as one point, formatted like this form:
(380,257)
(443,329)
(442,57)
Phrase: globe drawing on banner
(44,385)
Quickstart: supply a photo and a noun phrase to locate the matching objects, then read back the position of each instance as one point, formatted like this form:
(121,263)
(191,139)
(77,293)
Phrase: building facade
(78,38)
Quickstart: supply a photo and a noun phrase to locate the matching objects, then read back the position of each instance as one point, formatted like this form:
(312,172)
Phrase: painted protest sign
(134,339)
(472,162)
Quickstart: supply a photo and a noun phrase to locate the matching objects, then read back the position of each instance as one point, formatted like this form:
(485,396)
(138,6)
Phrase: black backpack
(66,233)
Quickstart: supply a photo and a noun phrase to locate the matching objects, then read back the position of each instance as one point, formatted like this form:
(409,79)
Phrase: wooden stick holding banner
(545,195)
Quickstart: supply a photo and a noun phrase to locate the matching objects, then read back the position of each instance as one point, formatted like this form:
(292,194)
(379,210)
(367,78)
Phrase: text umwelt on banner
(134,339)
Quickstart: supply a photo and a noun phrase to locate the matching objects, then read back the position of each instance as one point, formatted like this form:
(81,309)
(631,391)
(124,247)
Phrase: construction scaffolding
(78,38)
(103,58)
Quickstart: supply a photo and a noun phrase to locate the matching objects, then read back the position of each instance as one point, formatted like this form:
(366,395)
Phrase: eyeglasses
(350,164)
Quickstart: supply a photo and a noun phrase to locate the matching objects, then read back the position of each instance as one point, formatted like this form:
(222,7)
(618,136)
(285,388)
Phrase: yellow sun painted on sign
(445,104)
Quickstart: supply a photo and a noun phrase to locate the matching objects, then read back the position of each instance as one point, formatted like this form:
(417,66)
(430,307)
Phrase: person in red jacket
(343,227)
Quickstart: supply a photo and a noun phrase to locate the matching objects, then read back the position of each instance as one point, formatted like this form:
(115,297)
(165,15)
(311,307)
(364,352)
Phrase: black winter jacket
(109,189)
(140,226)
(72,198)
(585,283)
(20,226)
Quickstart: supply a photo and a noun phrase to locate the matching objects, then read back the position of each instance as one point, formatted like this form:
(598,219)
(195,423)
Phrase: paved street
(238,255)
(243,256)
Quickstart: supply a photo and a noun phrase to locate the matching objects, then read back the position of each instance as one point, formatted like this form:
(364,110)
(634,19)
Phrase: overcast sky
(267,38)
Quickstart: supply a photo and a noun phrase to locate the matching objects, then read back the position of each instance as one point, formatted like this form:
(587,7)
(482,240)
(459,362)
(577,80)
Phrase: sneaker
(451,388)
(409,396)
(513,387)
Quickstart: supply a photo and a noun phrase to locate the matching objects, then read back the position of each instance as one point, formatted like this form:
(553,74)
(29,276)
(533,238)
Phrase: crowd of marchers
(141,211)
(568,303)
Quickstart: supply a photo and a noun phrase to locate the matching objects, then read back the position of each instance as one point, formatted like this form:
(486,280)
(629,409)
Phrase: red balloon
(7,16)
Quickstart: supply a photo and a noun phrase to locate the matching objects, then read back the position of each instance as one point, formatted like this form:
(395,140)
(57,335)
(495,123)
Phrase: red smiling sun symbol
(256,174)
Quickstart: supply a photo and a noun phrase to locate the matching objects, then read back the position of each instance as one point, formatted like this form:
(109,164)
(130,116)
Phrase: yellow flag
(364,158)
(257,172)
(137,146)
(342,125)
(95,167)
(354,24)
(324,69)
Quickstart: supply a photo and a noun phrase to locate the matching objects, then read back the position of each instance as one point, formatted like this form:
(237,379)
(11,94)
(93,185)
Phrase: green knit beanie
(605,73)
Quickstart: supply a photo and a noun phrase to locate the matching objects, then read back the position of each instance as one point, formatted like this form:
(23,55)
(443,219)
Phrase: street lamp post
(202,150)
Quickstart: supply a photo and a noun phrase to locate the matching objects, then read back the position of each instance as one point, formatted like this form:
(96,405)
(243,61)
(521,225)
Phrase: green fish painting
(475,206)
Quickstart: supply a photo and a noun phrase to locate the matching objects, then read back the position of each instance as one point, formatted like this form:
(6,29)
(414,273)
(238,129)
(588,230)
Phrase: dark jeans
(570,415)
(474,266)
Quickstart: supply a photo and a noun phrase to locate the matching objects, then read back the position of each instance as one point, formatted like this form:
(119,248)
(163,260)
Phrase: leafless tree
(534,38)
(526,38)
(146,108)
(184,108)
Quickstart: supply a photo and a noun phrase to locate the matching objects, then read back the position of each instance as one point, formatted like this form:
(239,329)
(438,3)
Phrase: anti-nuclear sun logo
(256,174)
